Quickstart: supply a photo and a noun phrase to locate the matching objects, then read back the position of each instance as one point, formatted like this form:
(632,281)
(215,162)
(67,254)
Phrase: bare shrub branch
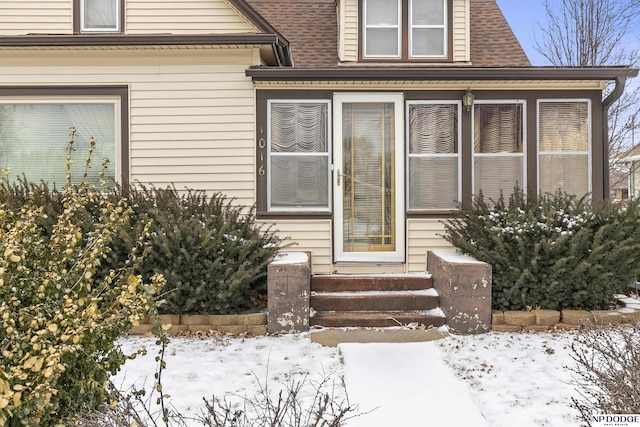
(607,371)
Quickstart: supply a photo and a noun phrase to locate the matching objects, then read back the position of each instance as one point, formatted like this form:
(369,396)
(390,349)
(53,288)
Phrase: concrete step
(425,299)
(369,282)
(333,337)
(366,319)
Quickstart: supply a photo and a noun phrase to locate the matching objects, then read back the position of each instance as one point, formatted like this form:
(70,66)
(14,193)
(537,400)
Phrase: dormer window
(405,29)
(99,16)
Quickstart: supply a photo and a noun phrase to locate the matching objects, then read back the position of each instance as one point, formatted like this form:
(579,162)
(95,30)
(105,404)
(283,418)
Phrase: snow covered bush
(607,372)
(551,252)
(213,254)
(59,319)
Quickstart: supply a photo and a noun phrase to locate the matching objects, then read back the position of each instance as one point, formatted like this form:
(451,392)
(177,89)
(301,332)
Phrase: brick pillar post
(289,288)
(464,286)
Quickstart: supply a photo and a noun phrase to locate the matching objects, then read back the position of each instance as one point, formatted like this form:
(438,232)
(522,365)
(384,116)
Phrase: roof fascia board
(136,40)
(282,46)
(439,74)
(254,17)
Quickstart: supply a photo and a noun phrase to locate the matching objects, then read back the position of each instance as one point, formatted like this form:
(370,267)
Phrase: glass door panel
(369,212)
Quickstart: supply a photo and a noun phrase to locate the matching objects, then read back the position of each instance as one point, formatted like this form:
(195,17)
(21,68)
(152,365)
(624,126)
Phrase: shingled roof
(493,43)
(311,28)
(309,25)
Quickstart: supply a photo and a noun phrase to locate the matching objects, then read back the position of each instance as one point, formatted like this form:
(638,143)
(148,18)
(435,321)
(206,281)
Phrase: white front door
(369,177)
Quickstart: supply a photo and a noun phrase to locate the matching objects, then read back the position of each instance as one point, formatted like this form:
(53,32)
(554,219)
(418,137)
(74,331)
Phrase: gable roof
(311,28)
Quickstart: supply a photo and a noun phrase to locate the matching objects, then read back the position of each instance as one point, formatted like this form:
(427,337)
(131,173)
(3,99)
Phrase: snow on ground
(510,379)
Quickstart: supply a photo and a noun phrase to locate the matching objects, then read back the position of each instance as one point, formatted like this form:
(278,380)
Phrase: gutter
(281,47)
(377,73)
(615,94)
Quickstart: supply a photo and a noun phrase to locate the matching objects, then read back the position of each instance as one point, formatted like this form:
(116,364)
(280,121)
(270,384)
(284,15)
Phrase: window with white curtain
(498,148)
(34,139)
(564,133)
(421,23)
(299,150)
(100,15)
(434,155)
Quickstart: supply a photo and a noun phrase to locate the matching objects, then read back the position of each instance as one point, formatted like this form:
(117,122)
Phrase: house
(630,164)
(355,126)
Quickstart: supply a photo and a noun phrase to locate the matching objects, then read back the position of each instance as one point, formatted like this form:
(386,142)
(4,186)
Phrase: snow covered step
(372,319)
(425,299)
(381,300)
(370,282)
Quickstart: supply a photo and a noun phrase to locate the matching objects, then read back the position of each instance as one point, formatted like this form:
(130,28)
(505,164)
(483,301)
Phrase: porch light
(467,100)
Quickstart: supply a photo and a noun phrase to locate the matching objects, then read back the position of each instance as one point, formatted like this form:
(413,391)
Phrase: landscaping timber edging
(544,320)
(253,323)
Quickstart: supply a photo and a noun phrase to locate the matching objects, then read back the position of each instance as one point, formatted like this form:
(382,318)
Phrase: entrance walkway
(406,384)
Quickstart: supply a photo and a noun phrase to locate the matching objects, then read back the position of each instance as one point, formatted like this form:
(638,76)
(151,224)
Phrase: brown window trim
(529,96)
(62,91)
(262,166)
(404,43)
(76,20)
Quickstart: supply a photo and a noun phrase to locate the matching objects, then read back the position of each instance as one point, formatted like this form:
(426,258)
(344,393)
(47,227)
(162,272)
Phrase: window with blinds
(498,148)
(34,139)
(564,129)
(299,145)
(434,155)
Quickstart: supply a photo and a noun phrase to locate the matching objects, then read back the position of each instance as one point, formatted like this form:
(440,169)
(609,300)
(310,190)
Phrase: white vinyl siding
(20,17)
(434,160)
(192,113)
(184,17)
(424,235)
(498,148)
(312,236)
(141,17)
(461,31)
(348,49)
(564,141)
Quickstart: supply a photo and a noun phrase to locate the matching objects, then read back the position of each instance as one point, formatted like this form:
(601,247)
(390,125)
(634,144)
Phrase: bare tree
(593,33)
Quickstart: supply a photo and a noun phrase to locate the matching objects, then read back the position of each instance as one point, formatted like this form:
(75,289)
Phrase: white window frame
(552,153)
(434,155)
(524,143)
(444,27)
(116,29)
(327,154)
(366,27)
(80,99)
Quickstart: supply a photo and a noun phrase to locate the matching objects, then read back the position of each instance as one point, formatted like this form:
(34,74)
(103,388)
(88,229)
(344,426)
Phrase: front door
(368,177)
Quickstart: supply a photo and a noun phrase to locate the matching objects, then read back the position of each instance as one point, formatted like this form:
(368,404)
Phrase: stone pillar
(464,286)
(289,288)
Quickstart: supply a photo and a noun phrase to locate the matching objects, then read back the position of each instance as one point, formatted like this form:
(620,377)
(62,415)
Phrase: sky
(526,17)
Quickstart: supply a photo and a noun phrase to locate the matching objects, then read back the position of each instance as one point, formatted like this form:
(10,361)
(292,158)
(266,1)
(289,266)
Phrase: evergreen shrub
(213,254)
(551,252)
(59,319)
